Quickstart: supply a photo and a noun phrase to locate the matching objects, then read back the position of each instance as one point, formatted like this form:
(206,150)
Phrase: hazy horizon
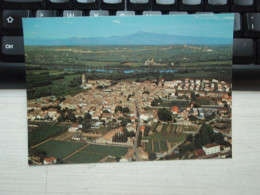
(207,26)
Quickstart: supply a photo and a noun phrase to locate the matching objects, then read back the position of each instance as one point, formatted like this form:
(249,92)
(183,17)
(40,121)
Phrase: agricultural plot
(170,128)
(163,145)
(45,131)
(189,129)
(148,146)
(94,153)
(156,146)
(59,149)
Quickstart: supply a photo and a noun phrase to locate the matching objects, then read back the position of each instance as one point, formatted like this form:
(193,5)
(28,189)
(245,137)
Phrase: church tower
(83,78)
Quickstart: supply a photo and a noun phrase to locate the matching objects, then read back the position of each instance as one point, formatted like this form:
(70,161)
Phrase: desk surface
(239,175)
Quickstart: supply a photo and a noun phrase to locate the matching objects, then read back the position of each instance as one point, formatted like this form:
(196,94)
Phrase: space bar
(246,77)
(12,75)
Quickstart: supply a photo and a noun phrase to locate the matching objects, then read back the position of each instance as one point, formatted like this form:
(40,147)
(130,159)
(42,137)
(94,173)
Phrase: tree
(164,114)
(123,123)
(154,102)
(118,108)
(190,138)
(61,118)
(87,116)
(80,119)
(146,130)
(125,110)
(192,118)
(193,96)
(152,156)
(71,117)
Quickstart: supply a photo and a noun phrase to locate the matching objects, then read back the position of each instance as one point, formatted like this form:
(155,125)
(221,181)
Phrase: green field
(156,146)
(59,149)
(163,146)
(45,131)
(94,153)
(148,146)
(166,136)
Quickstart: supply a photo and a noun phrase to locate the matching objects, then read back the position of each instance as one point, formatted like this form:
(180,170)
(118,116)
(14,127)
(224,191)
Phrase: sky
(203,25)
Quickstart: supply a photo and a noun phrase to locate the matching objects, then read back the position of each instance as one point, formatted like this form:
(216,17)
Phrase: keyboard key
(87,4)
(12,19)
(125,13)
(244,2)
(243,5)
(12,48)
(12,75)
(139,5)
(46,13)
(58,4)
(237,25)
(23,4)
(112,4)
(85,1)
(139,1)
(258,51)
(112,1)
(191,2)
(164,5)
(59,1)
(252,27)
(165,2)
(191,5)
(243,51)
(152,13)
(97,13)
(177,13)
(217,2)
(72,13)
(217,5)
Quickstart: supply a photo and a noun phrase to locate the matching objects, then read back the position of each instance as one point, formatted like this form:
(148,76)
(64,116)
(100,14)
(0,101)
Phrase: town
(151,120)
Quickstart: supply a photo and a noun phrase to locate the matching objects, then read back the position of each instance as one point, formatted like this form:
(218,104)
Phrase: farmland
(165,135)
(45,131)
(59,149)
(94,153)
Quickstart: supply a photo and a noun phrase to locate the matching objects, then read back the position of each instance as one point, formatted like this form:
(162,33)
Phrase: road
(137,156)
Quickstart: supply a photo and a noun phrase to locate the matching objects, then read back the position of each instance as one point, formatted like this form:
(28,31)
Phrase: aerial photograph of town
(125,89)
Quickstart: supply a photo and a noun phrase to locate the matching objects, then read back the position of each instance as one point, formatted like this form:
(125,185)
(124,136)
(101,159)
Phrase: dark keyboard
(246,52)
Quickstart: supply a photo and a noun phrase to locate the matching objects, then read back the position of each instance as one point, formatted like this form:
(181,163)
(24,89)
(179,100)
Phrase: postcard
(124,89)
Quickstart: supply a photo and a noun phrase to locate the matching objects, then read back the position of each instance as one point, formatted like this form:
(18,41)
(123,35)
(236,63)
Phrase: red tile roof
(210,145)
(50,159)
(200,152)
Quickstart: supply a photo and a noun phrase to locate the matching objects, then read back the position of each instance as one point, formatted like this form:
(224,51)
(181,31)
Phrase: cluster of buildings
(101,103)
(102,97)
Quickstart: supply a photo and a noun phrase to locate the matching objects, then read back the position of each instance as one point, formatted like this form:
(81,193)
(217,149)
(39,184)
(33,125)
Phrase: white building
(49,161)
(75,127)
(211,149)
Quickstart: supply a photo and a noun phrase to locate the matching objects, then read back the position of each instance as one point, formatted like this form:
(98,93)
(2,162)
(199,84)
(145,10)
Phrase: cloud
(116,21)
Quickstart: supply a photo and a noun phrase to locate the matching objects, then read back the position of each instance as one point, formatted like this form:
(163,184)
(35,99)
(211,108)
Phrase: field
(59,149)
(94,153)
(163,134)
(45,131)
(153,145)
(56,70)
(128,55)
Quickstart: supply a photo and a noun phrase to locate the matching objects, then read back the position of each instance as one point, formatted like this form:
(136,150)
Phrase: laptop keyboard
(246,50)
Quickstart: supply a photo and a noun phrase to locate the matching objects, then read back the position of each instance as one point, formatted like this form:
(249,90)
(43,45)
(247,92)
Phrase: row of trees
(122,137)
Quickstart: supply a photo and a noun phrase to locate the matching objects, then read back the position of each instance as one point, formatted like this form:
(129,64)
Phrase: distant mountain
(139,38)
